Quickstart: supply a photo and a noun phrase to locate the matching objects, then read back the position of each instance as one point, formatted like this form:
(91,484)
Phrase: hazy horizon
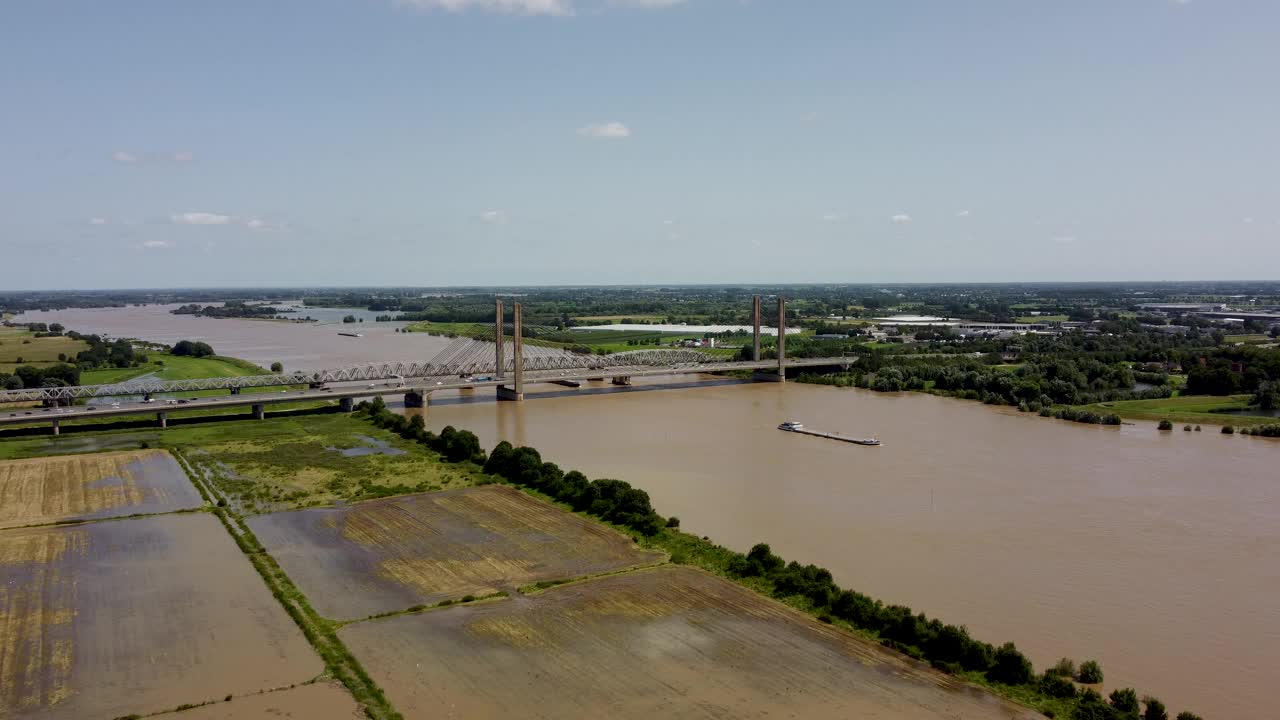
(481,143)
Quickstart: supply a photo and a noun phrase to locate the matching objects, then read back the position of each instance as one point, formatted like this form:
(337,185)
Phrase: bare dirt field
(101,485)
(318,701)
(392,554)
(137,616)
(670,642)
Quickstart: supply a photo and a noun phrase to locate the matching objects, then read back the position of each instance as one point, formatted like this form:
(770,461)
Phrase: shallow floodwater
(1155,553)
(300,346)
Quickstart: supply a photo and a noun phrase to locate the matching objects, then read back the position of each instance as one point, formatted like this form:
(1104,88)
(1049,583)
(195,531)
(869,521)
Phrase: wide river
(1158,554)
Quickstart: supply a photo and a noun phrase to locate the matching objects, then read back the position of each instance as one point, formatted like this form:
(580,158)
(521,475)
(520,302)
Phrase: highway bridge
(502,363)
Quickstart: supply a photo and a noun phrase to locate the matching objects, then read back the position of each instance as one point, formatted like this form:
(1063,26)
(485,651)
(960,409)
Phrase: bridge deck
(21,416)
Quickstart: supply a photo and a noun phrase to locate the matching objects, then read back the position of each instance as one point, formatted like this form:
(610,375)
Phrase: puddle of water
(373,446)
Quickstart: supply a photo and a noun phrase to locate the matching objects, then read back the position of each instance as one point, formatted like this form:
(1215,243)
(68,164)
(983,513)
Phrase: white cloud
(834,217)
(963,213)
(495,217)
(97,221)
(260,224)
(668,222)
(200,218)
(1247,221)
(506,7)
(157,244)
(606,131)
(180,157)
(646,3)
(1065,239)
(901,219)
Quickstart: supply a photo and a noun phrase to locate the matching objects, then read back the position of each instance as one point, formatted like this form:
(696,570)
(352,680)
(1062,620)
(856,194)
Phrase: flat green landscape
(1206,409)
(18,343)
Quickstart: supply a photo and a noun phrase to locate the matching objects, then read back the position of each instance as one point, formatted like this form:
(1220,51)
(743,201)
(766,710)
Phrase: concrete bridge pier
(347,405)
(766,376)
(162,419)
(57,429)
(622,380)
(259,411)
(507,393)
(415,399)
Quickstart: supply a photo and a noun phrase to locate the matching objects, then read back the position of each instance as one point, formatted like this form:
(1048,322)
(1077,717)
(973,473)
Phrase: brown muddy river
(300,346)
(1155,553)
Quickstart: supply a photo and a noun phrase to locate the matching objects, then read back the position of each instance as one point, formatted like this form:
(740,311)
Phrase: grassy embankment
(19,343)
(163,366)
(1193,409)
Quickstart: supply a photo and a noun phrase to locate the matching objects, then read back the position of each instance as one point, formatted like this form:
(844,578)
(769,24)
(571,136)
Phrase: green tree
(1125,701)
(277,367)
(1185,715)
(1267,396)
(1165,425)
(1011,666)
(1055,685)
(1090,672)
(1155,709)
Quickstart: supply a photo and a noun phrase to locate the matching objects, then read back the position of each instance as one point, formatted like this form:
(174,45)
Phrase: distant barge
(350,334)
(796,427)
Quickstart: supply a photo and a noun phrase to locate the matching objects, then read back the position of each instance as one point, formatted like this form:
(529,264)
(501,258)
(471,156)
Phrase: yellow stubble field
(92,486)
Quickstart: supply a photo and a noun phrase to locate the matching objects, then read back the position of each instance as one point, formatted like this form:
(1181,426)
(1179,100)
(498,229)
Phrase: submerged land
(414,587)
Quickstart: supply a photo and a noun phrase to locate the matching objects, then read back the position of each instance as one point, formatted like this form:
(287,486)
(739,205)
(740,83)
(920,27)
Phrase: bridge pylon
(516,390)
(782,338)
(500,339)
(755,328)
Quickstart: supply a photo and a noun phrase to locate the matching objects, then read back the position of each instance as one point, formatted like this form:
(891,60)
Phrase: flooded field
(318,701)
(79,487)
(392,554)
(108,619)
(670,642)
(1152,552)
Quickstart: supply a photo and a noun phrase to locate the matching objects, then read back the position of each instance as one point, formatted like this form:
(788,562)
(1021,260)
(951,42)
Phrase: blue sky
(452,142)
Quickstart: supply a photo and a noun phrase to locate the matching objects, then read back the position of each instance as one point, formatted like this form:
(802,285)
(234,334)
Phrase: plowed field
(388,555)
(670,643)
(138,616)
(101,485)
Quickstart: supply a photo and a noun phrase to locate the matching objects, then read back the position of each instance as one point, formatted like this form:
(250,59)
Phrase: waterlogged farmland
(388,555)
(108,619)
(80,487)
(670,642)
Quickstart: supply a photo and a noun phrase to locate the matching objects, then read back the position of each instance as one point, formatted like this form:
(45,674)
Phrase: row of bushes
(1270,431)
(612,500)
(452,444)
(948,648)
(1081,416)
